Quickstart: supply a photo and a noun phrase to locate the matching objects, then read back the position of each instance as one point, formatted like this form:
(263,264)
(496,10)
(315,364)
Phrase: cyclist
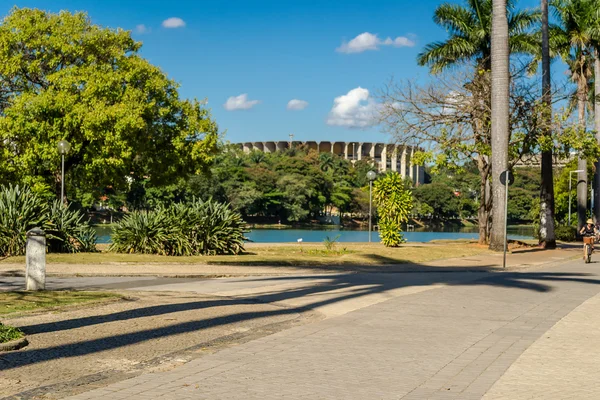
(589,234)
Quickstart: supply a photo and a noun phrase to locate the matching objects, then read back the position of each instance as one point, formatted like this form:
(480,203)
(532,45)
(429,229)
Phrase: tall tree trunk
(582,184)
(500,115)
(597,127)
(483,213)
(547,238)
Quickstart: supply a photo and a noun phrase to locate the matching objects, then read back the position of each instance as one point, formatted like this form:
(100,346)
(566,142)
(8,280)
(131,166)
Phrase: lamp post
(371,177)
(571,172)
(63,148)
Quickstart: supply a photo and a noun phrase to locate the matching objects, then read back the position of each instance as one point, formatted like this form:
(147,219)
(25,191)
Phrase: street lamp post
(571,172)
(371,177)
(63,148)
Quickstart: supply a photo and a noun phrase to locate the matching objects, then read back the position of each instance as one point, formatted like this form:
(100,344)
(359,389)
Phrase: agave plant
(219,229)
(146,232)
(20,211)
(67,231)
(198,227)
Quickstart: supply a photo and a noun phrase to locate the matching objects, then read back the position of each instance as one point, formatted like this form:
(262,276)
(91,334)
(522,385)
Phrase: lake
(346,235)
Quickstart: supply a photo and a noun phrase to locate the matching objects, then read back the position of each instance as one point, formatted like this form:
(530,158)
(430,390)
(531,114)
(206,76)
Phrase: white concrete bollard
(35,272)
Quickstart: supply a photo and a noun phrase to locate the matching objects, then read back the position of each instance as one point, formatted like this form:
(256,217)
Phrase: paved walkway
(416,336)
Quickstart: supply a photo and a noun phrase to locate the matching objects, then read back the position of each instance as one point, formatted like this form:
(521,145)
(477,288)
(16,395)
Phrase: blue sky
(274,52)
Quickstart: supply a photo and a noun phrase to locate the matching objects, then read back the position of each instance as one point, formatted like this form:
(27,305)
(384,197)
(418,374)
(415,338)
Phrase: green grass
(21,301)
(286,254)
(8,333)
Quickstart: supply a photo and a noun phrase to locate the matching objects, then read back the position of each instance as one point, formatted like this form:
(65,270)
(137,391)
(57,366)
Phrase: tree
(470,30)
(394,203)
(451,120)
(546,234)
(594,30)
(500,118)
(573,41)
(440,197)
(62,77)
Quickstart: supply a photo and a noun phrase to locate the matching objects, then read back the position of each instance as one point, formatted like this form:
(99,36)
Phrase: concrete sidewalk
(474,334)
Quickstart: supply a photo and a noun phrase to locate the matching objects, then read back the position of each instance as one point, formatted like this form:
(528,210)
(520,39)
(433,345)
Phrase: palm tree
(326,161)
(594,30)
(574,39)
(470,33)
(500,115)
(547,236)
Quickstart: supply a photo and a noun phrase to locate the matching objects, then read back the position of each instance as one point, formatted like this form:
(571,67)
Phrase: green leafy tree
(394,203)
(62,77)
(440,198)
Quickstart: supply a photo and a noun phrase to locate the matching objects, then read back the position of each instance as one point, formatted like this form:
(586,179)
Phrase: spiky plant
(67,231)
(195,228)
(20,211)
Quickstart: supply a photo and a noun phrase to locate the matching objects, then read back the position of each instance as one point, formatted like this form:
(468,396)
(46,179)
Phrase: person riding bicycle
(589,233)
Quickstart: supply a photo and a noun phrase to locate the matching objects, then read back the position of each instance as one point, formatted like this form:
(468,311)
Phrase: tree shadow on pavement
(313,292)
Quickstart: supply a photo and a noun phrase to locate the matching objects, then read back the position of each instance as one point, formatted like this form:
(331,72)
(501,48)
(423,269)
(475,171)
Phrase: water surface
(346,235)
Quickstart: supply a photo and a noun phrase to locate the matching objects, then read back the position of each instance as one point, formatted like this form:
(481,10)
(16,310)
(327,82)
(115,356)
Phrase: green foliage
(194,228)
(522,193)
(67,231)
(394,203)
(330,242)
(62,77)
(438,199)
(561,191)
(8,333)
(470,30)
(22,210)
(295,185)
(566,233)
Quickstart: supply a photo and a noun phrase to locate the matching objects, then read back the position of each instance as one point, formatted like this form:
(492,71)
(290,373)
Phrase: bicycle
(587,248)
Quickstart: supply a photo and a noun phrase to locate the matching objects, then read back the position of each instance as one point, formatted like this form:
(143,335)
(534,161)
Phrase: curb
(14,344)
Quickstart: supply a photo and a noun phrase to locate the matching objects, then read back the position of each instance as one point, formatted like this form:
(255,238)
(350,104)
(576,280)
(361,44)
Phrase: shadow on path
(354,285)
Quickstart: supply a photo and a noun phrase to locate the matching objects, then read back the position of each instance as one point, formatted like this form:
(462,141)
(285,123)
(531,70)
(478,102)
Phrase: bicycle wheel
(588,253)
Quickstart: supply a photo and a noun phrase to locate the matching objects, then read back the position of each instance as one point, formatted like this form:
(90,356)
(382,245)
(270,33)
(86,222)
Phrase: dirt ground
(78,349)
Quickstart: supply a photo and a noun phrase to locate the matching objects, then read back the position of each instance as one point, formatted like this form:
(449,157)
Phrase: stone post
(35,272)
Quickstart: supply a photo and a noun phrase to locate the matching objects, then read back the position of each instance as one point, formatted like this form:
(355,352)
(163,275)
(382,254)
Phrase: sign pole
(505,222)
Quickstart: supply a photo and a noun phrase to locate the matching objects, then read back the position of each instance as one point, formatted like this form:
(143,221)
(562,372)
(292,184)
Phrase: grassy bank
(20,301)
(287,254)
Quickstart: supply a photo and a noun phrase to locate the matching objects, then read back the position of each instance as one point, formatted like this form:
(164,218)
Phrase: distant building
(385,157)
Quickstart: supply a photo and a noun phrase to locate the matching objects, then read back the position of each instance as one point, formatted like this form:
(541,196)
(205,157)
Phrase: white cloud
(296,104)
(173,22)
(369,41)
(353,110)
(142,29)
(240,102)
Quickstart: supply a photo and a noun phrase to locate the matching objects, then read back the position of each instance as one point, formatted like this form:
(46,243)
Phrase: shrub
(67,231)
(21,210)
(330,242)
(394,203)
(566,233)
(8,333)
(198,227)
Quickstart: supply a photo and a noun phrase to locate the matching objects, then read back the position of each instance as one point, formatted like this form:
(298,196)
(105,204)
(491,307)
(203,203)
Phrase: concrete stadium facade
(385,156)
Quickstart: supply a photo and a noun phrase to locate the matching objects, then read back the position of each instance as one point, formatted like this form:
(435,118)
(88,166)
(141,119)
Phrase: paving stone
(464,337)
